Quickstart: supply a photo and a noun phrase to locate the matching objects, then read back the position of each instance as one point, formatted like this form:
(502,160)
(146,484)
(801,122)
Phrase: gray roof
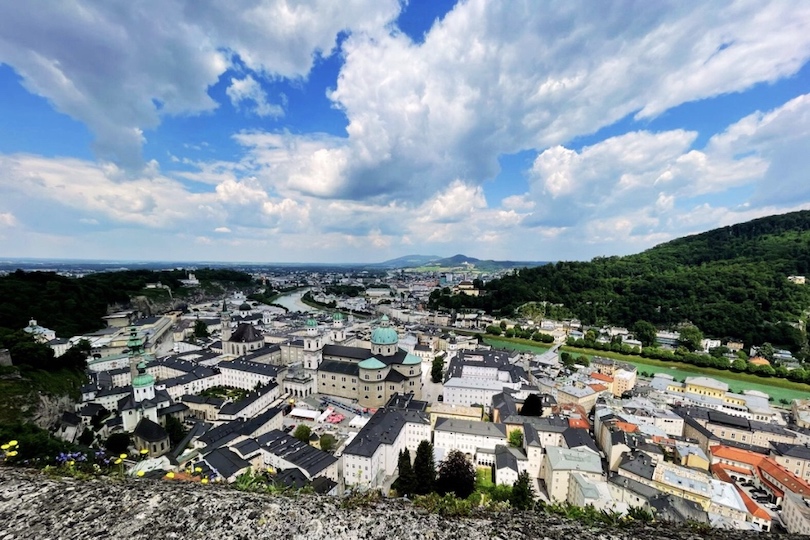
(562,459)
(383,428)
(247,366)
(225,462)
(342,368)
(149,431)
(235,407)
(579,437)
(246,333)
(642,490)
(639,464)
(798,451)
(471,427)
(505,458)
(300,454)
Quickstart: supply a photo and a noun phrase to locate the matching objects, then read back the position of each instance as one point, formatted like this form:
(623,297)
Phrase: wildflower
(5,447)
(204,481)
(144,451)
(118,461)
(12,453)
(197,469)
(123,456)
(140,473)
(12,443)
(170,475)
(71,463)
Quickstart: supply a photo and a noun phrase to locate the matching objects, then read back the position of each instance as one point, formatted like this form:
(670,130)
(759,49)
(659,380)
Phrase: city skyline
(362,131)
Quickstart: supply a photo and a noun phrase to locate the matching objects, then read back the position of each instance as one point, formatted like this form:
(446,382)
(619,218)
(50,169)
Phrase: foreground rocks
(33,505)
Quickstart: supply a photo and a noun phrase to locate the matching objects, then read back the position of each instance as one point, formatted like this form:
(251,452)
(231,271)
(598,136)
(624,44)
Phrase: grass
(483,478)
(775,387)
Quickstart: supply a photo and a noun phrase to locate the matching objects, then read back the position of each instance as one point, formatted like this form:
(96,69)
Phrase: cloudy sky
(362,130)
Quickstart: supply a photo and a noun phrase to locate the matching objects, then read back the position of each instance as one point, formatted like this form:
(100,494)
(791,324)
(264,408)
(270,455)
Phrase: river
(292,301)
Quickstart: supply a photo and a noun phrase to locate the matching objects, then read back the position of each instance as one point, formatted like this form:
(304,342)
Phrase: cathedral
(368,376)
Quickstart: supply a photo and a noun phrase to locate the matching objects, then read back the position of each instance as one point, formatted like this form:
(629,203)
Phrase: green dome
(371,363)
(312,323)
(143,380)
(411,360)
(338,316)
(384,334)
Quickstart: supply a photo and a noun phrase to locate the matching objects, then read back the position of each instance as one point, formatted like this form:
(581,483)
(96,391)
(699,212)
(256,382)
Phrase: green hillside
(730,282)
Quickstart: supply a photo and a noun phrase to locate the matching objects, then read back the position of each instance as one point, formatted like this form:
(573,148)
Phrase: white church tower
(313,346)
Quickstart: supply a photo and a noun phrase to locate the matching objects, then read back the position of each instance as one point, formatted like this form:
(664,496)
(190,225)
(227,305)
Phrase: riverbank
(779,389)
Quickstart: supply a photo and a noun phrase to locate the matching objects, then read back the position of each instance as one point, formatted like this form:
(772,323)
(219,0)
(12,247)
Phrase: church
(368,376)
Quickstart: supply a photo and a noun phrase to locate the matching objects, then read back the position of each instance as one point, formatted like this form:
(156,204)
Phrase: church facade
(368,376)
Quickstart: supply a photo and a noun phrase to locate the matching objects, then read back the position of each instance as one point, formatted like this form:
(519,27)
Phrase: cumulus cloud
(119,67)
(249,90)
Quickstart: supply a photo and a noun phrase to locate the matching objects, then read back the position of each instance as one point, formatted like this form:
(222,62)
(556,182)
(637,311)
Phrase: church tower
(384,339)
(143,386)
(135,346)
(338,332)
(225,322)
(313,346)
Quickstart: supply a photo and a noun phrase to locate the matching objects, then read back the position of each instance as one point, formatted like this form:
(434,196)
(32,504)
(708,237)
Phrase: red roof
(720,472)
(601,377)
(627,427)
(578,423)
(598,387)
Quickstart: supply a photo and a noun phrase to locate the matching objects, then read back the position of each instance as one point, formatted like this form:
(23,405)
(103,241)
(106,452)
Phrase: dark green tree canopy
(456,475)
(424,469)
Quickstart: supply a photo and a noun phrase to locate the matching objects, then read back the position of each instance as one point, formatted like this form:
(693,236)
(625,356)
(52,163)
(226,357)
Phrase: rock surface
(33,505)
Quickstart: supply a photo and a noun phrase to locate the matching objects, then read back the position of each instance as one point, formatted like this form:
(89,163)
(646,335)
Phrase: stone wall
(33,505)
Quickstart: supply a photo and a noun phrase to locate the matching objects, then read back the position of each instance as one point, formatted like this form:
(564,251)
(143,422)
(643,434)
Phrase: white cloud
(7,219)
(222,230)
(247,89)
(119,66)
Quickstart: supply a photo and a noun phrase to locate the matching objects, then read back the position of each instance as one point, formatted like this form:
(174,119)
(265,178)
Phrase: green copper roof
(312,323)
(338,316)
(384,334)
(143,380)
(371,363)
(411,360)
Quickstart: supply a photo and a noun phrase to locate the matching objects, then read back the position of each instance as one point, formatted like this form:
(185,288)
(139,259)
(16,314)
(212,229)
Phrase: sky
(363,130)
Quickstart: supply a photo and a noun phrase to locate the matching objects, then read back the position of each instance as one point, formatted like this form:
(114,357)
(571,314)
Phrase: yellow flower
(5,447)
(144,451)
(71,463)
(12,453)
(123,456)
(140,473)
(270,470)
(197,469)
(204,481)
(170,475)
(12,443)
(118,461)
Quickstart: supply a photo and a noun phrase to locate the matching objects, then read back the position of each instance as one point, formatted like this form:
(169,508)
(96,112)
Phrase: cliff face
(33,505)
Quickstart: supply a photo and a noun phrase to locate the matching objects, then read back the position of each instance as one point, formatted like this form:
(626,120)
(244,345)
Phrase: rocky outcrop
(33,505)
(50,408)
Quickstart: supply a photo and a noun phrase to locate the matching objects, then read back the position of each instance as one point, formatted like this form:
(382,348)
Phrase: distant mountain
(408,261)
(456,261)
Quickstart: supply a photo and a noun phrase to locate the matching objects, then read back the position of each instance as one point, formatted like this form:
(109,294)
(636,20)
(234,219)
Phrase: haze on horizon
(364,130)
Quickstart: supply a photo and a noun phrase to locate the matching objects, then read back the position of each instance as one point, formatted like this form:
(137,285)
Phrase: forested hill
(730,282)
(71,306)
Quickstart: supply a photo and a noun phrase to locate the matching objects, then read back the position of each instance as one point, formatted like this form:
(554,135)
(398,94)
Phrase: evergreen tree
(456,475)
(645,333)
(437,369)
(522,496)
(424,469)
(405,484)
(533,406)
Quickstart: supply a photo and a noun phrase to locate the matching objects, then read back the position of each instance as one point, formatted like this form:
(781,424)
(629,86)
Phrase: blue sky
(365,130)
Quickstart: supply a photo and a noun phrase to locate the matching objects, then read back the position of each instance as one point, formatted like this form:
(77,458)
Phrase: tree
(502,324)
(117,443)
(456,475)
(690,338)
(437,370)
(327,442)
(405,484)
(302,433)
(766,351)
(645,333)
(200,329)
(522,496)
(582,361)
(424,469)
(175,430)
(532,406)
(516,438)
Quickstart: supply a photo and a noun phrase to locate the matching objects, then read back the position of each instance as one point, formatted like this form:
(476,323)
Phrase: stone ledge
(33,505)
